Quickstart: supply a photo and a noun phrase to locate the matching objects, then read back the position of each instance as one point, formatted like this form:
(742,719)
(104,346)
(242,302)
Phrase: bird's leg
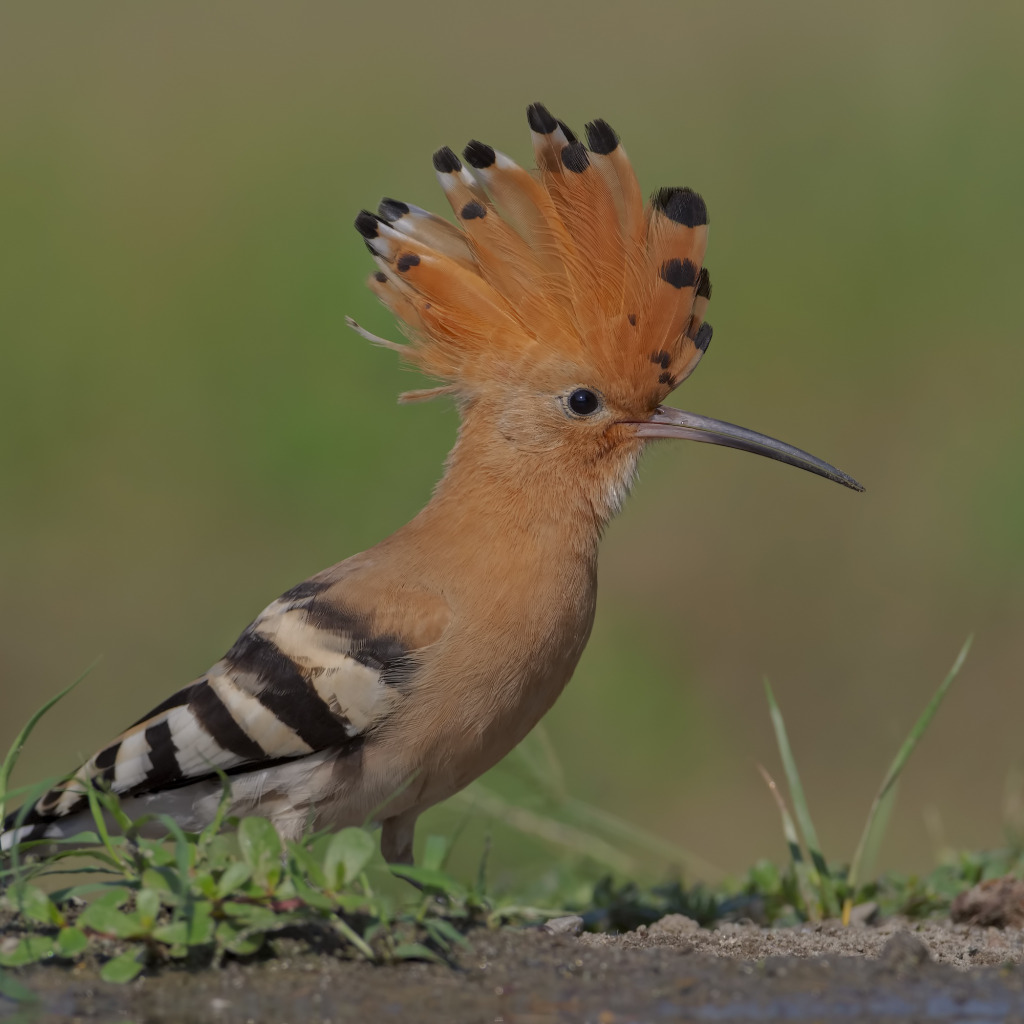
(396,837)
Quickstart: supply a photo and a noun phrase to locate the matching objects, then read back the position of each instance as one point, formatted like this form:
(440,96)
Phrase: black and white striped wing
(305,676)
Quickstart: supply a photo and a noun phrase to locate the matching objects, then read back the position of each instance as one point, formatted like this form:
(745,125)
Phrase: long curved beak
(688,426)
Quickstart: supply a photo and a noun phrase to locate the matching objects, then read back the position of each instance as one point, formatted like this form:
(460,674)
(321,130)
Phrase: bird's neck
(492,485)
(500,505)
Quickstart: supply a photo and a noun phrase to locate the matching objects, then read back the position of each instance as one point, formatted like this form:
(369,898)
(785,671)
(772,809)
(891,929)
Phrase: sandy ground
(672,970)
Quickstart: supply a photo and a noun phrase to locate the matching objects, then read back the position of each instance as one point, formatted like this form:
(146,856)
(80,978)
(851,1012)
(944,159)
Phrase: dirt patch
(958,945)
(998,902)
(669,971)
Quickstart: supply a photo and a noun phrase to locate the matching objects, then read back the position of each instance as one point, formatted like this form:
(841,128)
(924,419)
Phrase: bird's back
(559,312)
(341,693)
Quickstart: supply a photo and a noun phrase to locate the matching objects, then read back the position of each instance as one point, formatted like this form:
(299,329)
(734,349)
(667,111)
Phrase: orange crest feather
(563,265)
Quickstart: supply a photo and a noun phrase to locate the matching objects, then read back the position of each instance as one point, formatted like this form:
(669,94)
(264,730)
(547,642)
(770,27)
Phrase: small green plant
(199,898)
(819,890)
(236,890)
(229,890)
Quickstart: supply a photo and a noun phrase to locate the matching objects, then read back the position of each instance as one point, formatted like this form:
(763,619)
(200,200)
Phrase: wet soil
(672,970)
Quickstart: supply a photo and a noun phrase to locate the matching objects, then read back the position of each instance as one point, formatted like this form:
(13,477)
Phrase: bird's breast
(505,658)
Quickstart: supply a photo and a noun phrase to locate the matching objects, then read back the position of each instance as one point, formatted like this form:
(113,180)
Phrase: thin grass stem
(14,752)
(876,820)
(825,883)
(549,829)
(796,853)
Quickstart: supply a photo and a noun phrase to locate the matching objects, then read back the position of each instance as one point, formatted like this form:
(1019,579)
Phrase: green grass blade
(377,812)
(31,791)
(550,829)
(876,834)
(352,936)
(803,814)
(183,863)
(876,821)
(625,831)
(540,760)
(803,878)
(96,810)
(30,794)
(8,763)
(538,756)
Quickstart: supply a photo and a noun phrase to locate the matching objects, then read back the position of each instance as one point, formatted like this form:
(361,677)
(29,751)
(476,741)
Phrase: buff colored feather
(559,313)
(561,266)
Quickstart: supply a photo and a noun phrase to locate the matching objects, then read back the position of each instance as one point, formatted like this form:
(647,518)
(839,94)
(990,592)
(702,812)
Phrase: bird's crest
(561,266)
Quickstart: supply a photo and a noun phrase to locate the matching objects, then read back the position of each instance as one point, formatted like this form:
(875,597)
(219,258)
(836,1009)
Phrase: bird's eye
(583,402)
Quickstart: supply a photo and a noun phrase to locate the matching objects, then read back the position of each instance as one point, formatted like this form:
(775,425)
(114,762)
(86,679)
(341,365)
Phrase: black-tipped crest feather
(601,138)
(565,256)
(446,162)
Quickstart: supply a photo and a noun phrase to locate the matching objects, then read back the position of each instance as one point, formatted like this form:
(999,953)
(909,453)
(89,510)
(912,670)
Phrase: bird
(558,311)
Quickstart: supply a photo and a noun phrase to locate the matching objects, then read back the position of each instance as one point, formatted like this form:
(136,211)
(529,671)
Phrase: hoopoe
(559,312)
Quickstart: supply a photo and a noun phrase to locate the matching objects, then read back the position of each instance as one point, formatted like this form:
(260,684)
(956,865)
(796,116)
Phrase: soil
(672,970)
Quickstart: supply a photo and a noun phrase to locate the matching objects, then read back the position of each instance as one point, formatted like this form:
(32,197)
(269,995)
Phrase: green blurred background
(187,428)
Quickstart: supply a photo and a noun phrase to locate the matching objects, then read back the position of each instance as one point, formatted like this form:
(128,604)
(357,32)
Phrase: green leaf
(11,988)
(124,967)
(71,942)
(82,891)
(260,846)
(234,877)
(30,950)
(252,915)
(348,852)
(309,862)
(205,884)
(221,850)
(162,879)
(240,941)
(195,927)
(31,902)
(87,837)
(103,914)
(351,902)
(765,877)
(201,924)
(313,897)
(435,853)
(415,951)
(173,934)
(114,896)
(258,840)
(98,917)
(156,852)
(147,906)
(436,881)
(444,932)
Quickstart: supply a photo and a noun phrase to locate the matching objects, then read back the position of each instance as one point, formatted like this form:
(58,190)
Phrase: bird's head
(561,310)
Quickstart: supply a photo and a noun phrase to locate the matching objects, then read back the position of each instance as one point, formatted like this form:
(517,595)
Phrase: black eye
(583,402)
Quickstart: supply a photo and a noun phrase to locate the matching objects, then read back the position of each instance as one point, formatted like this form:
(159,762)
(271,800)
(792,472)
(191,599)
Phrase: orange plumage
(561,267)
(559,312)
